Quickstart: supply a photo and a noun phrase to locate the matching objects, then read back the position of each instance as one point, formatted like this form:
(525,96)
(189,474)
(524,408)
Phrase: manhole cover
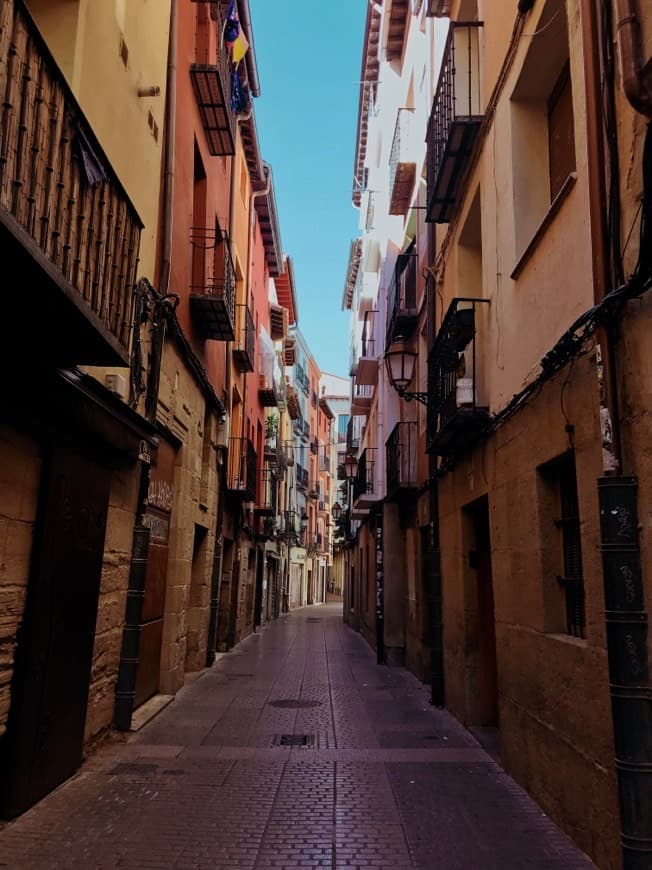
(131,769)
(294,704)
(297,740)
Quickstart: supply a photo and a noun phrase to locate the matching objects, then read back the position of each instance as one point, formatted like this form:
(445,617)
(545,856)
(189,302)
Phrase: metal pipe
(626,619)
(168,157)
(637,79)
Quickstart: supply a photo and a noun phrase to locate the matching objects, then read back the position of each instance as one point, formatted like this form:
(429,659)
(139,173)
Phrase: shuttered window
(569,524)
(561,132)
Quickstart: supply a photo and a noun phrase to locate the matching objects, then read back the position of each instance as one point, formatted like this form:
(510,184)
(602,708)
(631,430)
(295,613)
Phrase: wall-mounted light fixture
(400,364)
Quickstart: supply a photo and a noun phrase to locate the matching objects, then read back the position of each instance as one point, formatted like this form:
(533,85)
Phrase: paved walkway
(384,781)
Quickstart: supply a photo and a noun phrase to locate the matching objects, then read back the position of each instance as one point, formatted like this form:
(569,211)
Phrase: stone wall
(112,601)
(553,689)
(182,411)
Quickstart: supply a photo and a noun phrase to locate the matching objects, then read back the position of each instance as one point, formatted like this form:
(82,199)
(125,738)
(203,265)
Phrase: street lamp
(336,511)
(351,467)
(400,364)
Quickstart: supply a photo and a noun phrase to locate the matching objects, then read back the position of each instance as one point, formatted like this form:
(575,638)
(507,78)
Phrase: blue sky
(309,57)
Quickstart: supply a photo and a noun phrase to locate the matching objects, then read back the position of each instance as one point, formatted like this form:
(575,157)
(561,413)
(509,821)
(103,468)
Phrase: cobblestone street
(384,781)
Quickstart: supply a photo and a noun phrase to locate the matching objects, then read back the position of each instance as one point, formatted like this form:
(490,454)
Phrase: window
(562,547)
(561,138)
(543,134)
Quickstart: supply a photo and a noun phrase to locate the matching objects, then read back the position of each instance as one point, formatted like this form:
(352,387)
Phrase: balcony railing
(212,82)
(324,462)
(68,230)
(315,491)
(401,450)
(361,400)
(402,309)
(455,119)
(364,483)
(267,506)
(370,219)
(212,292)
(367,367)
(302,478)
(294,410)
(457,410)
(245,341)
(314,446)
(242,469)
(319,541)
(302,379)
(402,163)
(314,401)
(267,390)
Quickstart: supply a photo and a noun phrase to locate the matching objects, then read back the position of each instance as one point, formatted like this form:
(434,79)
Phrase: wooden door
(45,731)
(158,514)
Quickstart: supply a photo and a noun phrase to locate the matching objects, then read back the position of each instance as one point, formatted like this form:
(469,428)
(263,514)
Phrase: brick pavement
(384,782)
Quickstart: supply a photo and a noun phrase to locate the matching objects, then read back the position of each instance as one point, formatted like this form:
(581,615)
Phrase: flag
(239,99)
(232,25)
(239,48)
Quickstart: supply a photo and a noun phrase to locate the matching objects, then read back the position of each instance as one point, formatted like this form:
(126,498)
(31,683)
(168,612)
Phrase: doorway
(45,731)
(158,517)
(482,665)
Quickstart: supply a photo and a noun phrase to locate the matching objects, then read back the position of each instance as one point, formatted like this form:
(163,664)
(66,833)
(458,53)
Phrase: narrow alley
(384,780)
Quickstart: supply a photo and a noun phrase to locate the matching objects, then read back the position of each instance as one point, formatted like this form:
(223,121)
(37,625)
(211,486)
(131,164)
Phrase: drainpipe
(129,652)
(626,618)
(636,78)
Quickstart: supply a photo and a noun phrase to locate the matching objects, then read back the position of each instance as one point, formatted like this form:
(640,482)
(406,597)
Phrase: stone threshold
(146,712)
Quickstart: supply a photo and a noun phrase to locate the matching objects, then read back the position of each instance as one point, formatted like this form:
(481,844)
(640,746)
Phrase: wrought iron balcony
(361,400)
(294,410)
(439,8)
(302,478)
(212,292)
(402,312)
(315,491)
(325,462)
(267,390)
(402,163)
(455,119)
(367,367)
(267,506)
(314,401)
(289,352)
(314,446)
(302,379)
(401,450)
(457,410)
(245,341)
(319,541)
(68,230)
(212,82)
(242,469)
(364,486)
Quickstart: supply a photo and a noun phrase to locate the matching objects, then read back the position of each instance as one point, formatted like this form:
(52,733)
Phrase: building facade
(525,229)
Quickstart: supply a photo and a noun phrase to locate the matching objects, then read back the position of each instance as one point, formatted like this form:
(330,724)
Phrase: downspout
(636,78)
(625,615)
(125,693)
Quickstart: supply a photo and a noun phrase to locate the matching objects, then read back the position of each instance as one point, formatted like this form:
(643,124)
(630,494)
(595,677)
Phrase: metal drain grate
(303,741)
(133,769)
(294,704)
(314,619)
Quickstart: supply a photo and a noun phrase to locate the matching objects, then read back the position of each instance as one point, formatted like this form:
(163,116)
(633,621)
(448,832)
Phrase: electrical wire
(604,312)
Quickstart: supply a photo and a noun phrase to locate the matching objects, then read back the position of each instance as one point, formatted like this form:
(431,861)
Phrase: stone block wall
(553,689)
